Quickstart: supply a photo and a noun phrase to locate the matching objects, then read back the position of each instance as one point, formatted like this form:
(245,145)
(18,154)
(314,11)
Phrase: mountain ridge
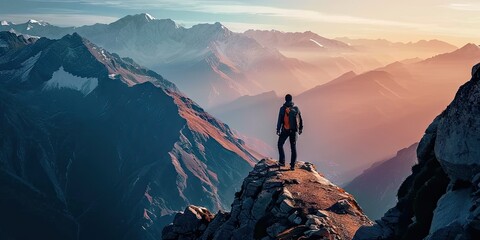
(114,161)
(375,188)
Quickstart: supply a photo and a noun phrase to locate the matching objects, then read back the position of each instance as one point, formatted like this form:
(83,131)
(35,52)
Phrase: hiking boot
(281,164)
(292,168)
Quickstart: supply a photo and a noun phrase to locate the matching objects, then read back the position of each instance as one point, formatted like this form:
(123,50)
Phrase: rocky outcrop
(276,203)
(441,198)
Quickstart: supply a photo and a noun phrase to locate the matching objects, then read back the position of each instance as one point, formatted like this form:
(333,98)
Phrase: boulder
(457,144)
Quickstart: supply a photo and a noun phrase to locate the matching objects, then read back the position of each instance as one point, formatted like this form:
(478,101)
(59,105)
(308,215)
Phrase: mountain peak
(148,16)
(73,38)
(36,22)
(469,47)
(138,18)
(276,203)
(5,23)
(144,16)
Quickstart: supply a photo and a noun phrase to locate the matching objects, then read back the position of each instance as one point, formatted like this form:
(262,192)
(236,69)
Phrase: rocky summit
(440,200)
(276,203)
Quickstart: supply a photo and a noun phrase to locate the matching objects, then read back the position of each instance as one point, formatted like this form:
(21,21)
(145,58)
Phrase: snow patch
(104,55)
(4,23)
(35,22)
(319,44)
(28,65)
(149,17)
(62,79)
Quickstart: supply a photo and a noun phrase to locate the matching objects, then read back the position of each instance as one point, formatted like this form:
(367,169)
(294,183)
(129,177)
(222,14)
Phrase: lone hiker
(289,123)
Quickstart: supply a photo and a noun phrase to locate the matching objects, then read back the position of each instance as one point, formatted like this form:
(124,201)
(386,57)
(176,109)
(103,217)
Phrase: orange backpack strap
(286,119)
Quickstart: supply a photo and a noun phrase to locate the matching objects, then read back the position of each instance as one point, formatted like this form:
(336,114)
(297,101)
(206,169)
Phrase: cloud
(464,6)
(236,7)
(299,14)
(61,19)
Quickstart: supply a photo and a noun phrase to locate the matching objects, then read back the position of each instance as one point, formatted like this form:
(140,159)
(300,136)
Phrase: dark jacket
(296,122)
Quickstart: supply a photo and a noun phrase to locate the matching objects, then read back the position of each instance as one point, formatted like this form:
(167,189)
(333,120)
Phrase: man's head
(288,98)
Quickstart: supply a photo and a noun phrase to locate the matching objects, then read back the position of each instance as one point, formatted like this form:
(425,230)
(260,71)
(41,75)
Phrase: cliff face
(276,203)
(441,198)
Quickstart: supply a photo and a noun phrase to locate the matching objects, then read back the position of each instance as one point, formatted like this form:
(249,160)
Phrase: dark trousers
(293,145)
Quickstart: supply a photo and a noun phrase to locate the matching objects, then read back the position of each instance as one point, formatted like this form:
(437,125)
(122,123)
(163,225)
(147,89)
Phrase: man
(289,123)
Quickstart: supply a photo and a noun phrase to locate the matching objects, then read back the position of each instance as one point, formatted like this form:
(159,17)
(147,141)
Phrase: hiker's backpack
(290,116)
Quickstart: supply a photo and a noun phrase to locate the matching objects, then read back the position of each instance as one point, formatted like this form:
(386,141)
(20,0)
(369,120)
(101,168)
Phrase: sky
(455,21)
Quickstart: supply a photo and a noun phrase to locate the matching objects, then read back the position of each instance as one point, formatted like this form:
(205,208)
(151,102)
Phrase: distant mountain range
(94,146)
(376,188)
(439,199)
(395,51)
(207,61)
(214,65)
(358,119)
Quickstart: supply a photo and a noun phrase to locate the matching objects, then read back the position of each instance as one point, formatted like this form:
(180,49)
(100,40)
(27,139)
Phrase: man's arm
(280,120)
(300,127)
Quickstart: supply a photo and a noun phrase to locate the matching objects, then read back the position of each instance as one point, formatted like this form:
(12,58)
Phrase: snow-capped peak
(149,17)
(33,21)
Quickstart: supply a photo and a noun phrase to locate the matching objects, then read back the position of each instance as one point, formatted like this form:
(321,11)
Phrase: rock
(342,207)
(191,219)
(322,213)
(475,224)
(308,166)
(452,207)
(168,233)
(476,181)
(313,227)
(275,229)
(392,216)
(457,142)
(220,218)
(287,205)
(253,188)
(245,209)
(293,216)
(265,208)
(313,220)
(243,232)
(427,143)
(318,234)
(273,183)
(285,195)
(292,181)
(475,71)
(297,220)
(261,204)
(375,232)
(447,233)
